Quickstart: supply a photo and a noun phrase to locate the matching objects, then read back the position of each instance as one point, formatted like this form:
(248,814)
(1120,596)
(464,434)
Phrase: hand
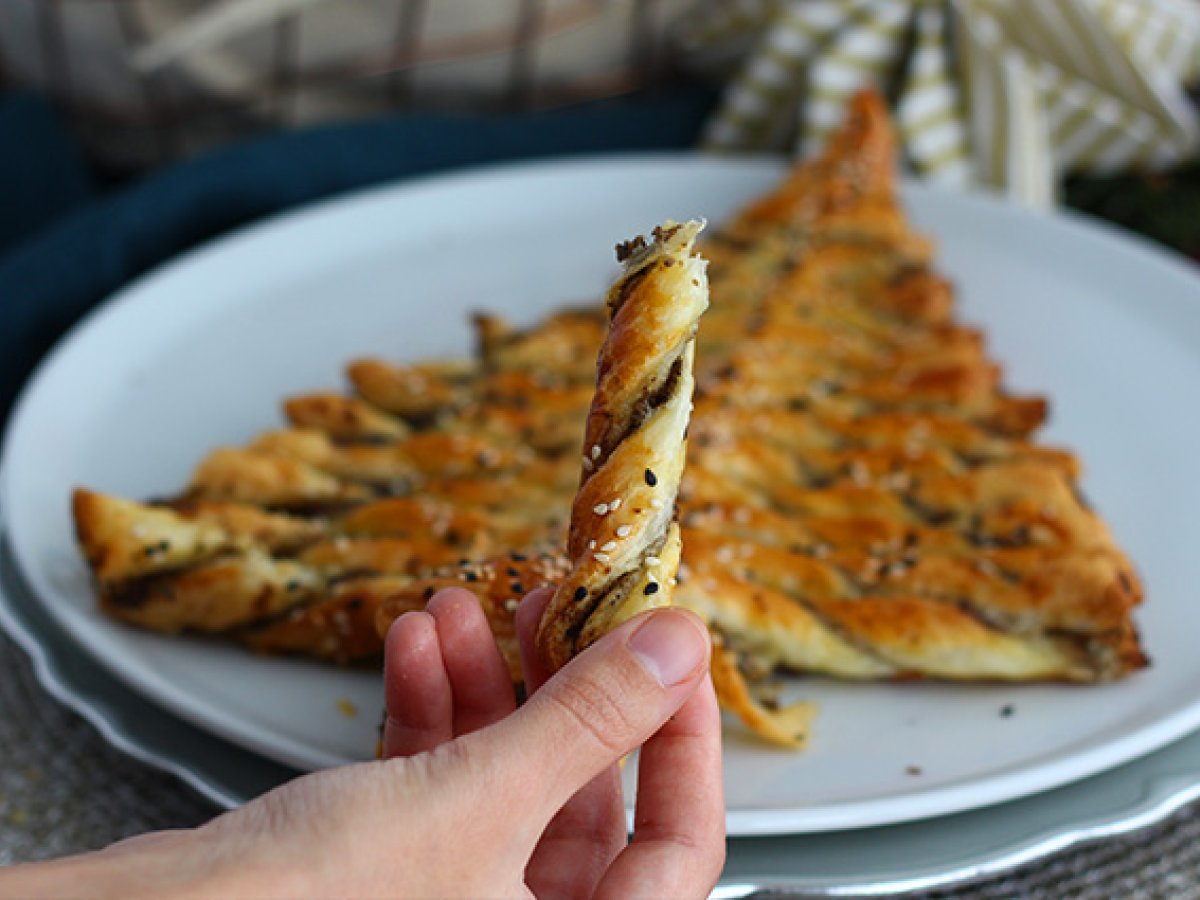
(445,679)
(480,798)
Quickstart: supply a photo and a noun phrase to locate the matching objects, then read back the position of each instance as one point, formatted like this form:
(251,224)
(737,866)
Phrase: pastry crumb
(346,708)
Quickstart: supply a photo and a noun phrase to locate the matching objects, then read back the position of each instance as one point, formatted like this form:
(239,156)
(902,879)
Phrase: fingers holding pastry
(497,583)
(444,675)
(623,543)
(479,678)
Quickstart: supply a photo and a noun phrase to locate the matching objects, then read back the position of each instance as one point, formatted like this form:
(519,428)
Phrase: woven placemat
(63,789)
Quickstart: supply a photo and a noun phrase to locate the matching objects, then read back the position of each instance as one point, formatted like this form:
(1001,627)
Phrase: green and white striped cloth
(1009,93)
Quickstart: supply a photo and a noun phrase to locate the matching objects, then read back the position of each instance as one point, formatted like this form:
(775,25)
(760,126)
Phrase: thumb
(604,703)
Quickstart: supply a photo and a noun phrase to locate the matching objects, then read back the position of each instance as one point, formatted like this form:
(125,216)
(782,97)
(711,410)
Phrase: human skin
(477,798)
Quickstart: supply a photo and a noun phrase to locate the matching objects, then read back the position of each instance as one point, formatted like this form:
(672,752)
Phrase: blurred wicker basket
(146,81)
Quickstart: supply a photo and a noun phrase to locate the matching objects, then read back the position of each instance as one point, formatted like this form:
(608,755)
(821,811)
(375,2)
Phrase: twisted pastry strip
(623,544)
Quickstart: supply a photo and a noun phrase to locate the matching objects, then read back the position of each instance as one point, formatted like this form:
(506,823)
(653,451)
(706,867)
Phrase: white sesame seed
(609,545)
(600,509)
(587,464)
(623,531)
(600,557)
(652,560)
(511,605)
(656,503)
(595,451)
(614,505)
(591,545)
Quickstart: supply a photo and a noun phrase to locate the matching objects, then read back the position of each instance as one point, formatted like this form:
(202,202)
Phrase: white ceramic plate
(201,351)
(894,859)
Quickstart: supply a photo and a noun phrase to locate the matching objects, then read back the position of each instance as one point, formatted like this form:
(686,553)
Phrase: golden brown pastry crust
(862,497)
(122,540)
(787,726)
(344,418)
(623,541)
(214,596)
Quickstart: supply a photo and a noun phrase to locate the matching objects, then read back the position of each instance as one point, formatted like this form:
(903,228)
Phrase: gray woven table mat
(63,789)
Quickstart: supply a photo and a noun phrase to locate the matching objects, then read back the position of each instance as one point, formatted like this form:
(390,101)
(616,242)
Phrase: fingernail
(670,646)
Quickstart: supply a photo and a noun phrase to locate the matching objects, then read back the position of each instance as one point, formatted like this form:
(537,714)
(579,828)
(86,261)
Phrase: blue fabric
(53,276)
(42,174)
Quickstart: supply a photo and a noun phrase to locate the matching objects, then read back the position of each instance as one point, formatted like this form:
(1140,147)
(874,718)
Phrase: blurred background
(133,129)
(148,81)
(1009,92)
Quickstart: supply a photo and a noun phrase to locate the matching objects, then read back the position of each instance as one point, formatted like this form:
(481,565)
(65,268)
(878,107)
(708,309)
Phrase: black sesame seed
(471,576)
(580,593)
(513,573)
(517,587)
(518,557)
(293,585)
(651,588)
(428,593)
(651,478)
(1007,710)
